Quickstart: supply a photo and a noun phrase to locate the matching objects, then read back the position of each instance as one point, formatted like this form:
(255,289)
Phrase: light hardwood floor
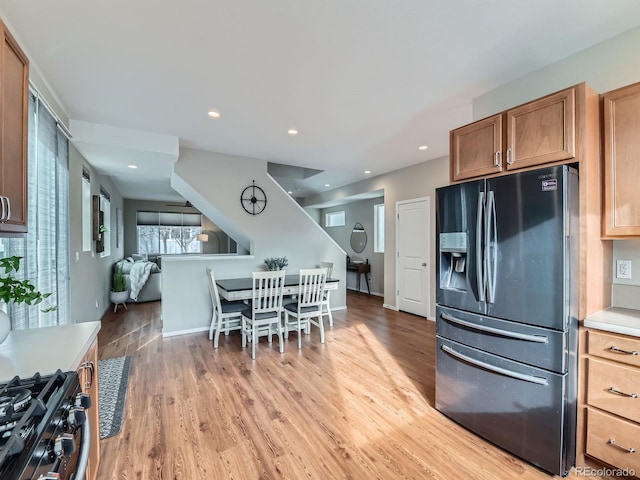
(361,406)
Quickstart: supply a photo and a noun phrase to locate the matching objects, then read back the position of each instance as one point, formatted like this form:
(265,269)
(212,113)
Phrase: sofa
(152,289)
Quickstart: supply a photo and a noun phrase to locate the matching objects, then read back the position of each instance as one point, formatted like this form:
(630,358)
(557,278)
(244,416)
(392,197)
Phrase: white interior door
(414,244)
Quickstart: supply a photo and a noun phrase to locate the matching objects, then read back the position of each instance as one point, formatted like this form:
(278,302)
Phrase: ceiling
(366,82)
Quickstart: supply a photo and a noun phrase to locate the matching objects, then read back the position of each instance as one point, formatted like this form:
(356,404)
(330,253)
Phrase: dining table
(241,288)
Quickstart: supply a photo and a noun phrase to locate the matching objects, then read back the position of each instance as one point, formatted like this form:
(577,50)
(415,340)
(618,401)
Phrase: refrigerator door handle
(490,249)
(496,331)
(493,368)
(480,270)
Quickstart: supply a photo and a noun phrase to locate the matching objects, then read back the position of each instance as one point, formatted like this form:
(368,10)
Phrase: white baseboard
(185,332)
(390,307)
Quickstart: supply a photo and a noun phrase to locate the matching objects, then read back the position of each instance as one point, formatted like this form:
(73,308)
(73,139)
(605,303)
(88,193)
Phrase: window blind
(45,249)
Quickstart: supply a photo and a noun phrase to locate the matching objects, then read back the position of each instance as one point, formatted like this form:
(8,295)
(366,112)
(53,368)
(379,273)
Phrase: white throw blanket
(138,277)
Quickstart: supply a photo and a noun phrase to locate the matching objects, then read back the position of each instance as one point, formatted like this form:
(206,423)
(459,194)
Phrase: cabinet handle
(619,350)
(91,367)
(630,395)
(8,209)
(497,162)
(509,159)
(628,450)
(4,210)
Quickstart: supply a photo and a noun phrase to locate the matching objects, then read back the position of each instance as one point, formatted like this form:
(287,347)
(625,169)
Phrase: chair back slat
(328,266)
(312,284)
(267,291)
(213,290)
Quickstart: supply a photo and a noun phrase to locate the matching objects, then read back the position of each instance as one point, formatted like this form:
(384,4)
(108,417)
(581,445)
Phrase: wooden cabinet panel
(88,373)
(613,347)
(14,87)
(614,388)
(542,131)
(621,153)
(476,149)
(602,429)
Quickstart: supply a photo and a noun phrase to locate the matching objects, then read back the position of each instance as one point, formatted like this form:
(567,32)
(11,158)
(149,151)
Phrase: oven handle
(493,368)
(83,457)
(496,331)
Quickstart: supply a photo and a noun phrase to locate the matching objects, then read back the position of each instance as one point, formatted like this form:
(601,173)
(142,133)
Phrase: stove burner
(18,400)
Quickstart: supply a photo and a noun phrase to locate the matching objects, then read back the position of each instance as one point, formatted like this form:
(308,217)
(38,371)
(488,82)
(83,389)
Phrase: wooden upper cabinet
(14,88)
(542,131)
(476,149)
(621,144)
(537,133)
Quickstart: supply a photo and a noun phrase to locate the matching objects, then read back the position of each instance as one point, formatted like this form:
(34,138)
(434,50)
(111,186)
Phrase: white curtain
(45,249)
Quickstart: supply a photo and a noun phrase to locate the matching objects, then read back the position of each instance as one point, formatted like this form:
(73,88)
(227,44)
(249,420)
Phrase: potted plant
(276,263)
(16,291)
(119,291)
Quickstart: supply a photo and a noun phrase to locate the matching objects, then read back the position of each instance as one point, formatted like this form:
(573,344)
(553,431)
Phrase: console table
(361,269)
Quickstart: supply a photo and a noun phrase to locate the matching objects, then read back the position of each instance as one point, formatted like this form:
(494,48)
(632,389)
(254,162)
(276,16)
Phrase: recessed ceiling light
(367,172)
(327,184)
(132,166)
(422,147)
(290,192)
(292,131)
(213,114)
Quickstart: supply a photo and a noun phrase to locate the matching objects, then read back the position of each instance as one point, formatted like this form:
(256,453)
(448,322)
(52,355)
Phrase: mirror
(358,238)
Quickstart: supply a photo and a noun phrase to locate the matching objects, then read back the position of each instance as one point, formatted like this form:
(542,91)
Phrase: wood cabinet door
(476,149)
(14,87)
(621,144)
(88,373)
(542,131)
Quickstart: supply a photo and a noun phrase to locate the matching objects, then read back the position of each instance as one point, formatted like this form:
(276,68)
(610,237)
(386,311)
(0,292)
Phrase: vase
(118,297)
(5,326)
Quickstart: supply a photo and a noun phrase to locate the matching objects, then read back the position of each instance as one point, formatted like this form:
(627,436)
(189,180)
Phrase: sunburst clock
(253,199)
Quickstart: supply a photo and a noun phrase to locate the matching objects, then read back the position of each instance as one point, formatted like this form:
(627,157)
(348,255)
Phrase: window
(105,208)
(167,232)
(86,211)
(45,249)
(334,219)
(378,228)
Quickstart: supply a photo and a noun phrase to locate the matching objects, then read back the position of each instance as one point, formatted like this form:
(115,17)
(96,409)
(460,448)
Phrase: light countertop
(616,320)
(45,350)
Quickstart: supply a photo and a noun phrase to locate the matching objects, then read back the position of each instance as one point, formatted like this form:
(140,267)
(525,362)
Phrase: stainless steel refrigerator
(507,299)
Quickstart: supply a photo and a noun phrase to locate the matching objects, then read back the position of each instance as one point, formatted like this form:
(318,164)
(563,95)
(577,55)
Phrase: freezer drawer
(518,407)
(541,347)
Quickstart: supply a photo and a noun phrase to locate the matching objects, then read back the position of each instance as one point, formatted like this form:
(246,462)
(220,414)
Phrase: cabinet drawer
(602,429)
(612,347)
(602,377)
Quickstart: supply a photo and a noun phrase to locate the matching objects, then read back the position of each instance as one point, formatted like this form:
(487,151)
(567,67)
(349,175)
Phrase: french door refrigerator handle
(490,252)
(480,270)
(496,331)
(493,368)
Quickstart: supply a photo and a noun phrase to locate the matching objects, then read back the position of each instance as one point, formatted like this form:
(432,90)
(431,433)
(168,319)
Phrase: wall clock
(253,199)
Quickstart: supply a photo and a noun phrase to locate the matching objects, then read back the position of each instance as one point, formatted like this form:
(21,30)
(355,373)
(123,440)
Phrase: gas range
(44,430)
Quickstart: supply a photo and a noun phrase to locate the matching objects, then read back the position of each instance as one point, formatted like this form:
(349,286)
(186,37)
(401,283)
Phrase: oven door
(518,407)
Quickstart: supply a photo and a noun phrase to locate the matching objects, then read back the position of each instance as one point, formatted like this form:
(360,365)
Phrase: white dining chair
(326,304)
(309,304)
(262,317)
(226,316)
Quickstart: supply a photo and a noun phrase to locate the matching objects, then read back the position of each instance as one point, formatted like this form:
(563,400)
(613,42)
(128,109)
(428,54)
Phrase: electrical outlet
(623,269)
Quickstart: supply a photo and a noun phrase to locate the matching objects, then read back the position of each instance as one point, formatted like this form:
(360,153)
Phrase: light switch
(77,257)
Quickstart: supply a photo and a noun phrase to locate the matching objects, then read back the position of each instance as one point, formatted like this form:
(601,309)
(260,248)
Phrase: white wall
(213,182)
(362,212)
(407,183)
(90,275)
(609,65)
